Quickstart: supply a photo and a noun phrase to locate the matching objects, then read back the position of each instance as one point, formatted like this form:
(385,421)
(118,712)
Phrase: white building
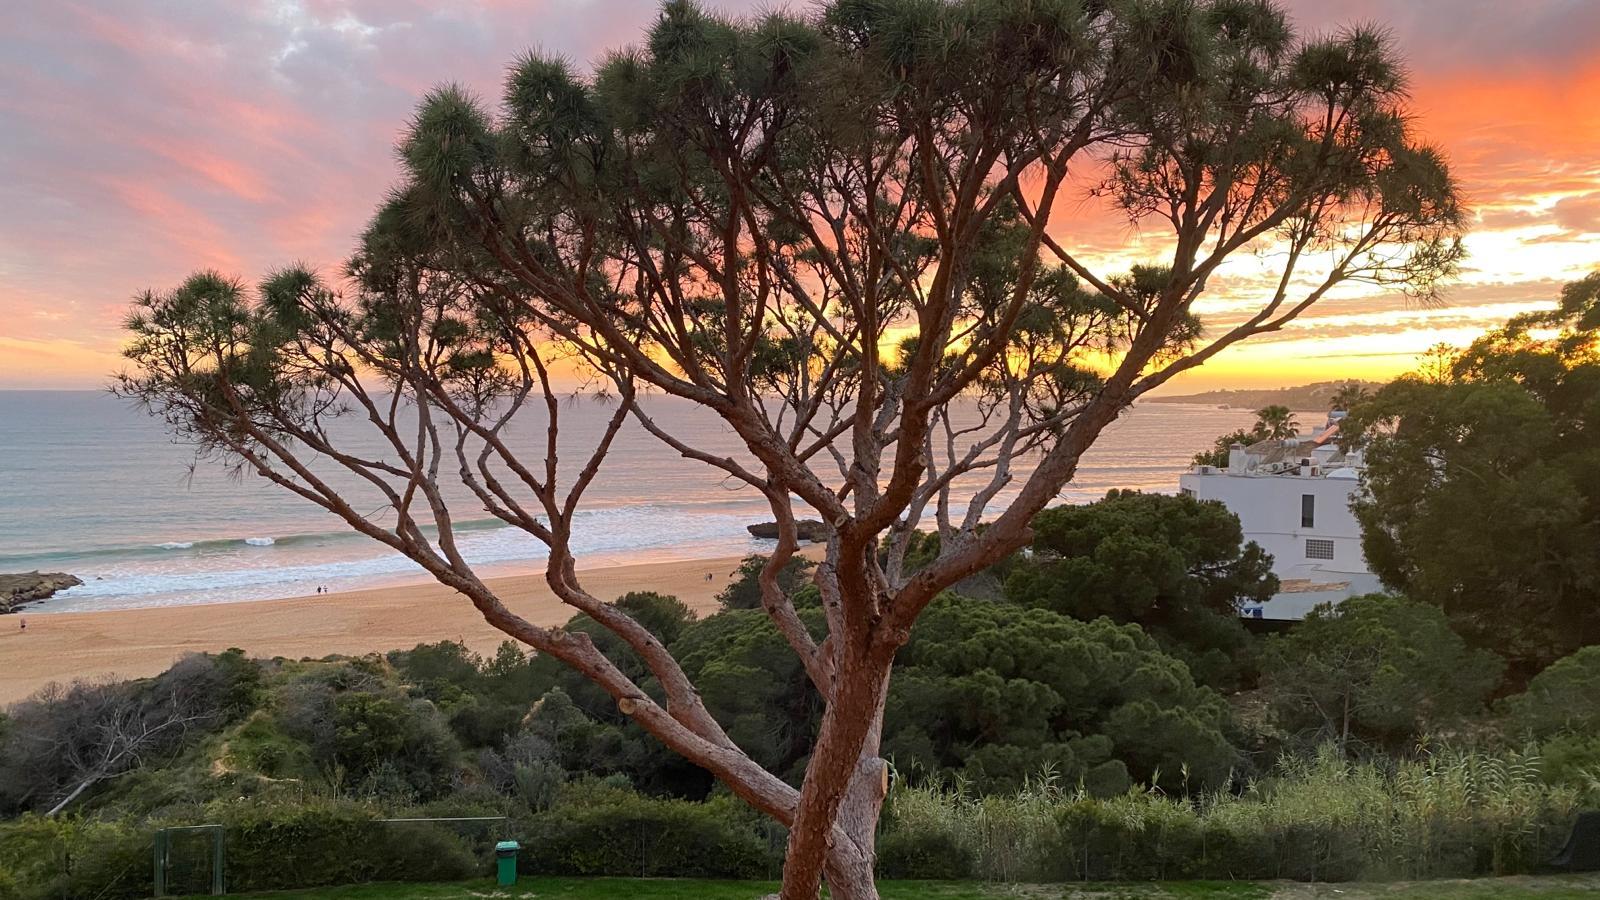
(1293,498)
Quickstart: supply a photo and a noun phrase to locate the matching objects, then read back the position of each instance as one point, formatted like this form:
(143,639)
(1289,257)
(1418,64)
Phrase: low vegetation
(1030,746)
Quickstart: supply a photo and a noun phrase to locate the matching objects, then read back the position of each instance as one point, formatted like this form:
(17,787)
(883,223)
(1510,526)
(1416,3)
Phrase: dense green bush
(1176,566)
(997,692)
(1376,669)
(1572,759)
(350,725)
(268,846)
(933,853)
(744,591)
(755,685)
(596,830)
(1482,487)
(335,843)
(69,858)
(1564,698)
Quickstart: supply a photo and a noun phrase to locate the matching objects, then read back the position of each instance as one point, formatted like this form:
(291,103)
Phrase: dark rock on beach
(805,530)
(26,587)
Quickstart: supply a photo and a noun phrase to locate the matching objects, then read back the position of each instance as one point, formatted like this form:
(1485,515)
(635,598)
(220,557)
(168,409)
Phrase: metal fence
(191,859)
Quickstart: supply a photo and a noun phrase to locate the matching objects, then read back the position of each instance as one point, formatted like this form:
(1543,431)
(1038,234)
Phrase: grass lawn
(1562,887)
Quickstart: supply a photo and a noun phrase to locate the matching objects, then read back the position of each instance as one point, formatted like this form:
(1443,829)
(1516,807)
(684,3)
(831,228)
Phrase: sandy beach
(134,643)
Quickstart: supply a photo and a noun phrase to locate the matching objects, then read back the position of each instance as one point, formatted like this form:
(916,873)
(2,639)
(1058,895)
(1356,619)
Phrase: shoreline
(134,643)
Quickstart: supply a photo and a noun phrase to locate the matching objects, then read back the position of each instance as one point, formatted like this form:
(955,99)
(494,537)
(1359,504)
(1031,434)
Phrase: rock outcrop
(26,587)
(804,529)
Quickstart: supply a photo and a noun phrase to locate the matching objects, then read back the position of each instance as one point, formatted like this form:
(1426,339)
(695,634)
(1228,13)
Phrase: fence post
(216,863)
(161,863)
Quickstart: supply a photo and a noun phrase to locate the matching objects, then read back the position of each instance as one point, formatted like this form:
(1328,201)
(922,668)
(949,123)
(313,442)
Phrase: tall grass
(1446,813)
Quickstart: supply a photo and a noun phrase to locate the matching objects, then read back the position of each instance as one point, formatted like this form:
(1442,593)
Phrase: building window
(1187,492)
(1308,511)
(1319,548)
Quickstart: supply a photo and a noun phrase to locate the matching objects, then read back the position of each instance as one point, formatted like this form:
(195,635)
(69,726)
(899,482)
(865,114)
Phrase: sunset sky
(142,139)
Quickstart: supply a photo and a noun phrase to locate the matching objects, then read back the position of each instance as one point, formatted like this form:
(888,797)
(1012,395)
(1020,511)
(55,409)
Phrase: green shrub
(8,887)
(1564,698)
(70,858)
(613,832)
(998,692)
(335,843)
(923,854)
(1572,759)
(1377,669)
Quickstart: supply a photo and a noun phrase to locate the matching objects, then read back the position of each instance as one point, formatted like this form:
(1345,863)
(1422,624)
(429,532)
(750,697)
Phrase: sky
(141,140)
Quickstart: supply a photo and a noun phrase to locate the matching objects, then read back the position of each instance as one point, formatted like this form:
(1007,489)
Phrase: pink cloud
(145,138)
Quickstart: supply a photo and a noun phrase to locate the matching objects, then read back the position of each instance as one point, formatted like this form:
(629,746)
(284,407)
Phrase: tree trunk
(843,790)
(1344,733)
(65,801)
(850,869)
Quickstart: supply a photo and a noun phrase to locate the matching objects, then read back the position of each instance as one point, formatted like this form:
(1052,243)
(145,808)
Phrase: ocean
(93,487)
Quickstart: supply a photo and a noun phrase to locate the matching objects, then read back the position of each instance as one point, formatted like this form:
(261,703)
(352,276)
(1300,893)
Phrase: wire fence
(192,860)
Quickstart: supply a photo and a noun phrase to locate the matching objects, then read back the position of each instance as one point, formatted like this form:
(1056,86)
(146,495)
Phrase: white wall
(1268,507)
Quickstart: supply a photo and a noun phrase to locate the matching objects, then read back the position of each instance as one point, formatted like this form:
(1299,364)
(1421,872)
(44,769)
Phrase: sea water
(92,486)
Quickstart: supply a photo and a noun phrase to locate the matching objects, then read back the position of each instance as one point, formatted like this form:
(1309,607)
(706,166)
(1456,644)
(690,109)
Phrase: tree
(752,215)
(755,687)
(744,591)
(1347,396)
(1176,566)
(1218,454)
(64,741)
(1483,483)
(1275,423)
(1563,699)
(1272,423)
(1375,668)
(998,693)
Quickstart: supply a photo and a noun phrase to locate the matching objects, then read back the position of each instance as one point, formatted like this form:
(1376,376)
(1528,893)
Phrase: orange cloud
(146,138)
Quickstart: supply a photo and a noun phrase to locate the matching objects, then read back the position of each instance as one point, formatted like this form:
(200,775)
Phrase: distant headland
(1305,397)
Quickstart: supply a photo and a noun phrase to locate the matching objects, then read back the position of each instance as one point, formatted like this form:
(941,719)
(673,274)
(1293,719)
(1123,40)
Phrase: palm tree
(1348,396)
(1276,423)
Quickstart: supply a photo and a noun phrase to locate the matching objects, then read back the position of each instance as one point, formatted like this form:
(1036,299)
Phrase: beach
(176,560)
(132,643)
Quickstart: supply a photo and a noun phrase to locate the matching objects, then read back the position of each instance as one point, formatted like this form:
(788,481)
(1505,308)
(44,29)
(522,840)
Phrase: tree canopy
(1483,482)
(1000,694)
(1275,423)
(1377,669)
(1176,566)
(1218,454)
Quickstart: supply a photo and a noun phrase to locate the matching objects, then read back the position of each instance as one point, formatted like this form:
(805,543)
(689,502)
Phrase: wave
(166,549)
(751,510)
(206,573)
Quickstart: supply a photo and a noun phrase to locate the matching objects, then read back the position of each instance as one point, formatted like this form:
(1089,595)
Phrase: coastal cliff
(26,587)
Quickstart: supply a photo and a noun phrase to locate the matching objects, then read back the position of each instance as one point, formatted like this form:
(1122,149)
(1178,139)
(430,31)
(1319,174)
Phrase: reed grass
(1445,813)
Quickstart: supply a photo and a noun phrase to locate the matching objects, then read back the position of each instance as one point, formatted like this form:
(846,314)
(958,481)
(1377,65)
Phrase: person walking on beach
(24,624)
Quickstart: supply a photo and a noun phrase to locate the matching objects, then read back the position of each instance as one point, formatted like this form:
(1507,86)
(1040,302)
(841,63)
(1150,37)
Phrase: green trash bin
(505,854)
